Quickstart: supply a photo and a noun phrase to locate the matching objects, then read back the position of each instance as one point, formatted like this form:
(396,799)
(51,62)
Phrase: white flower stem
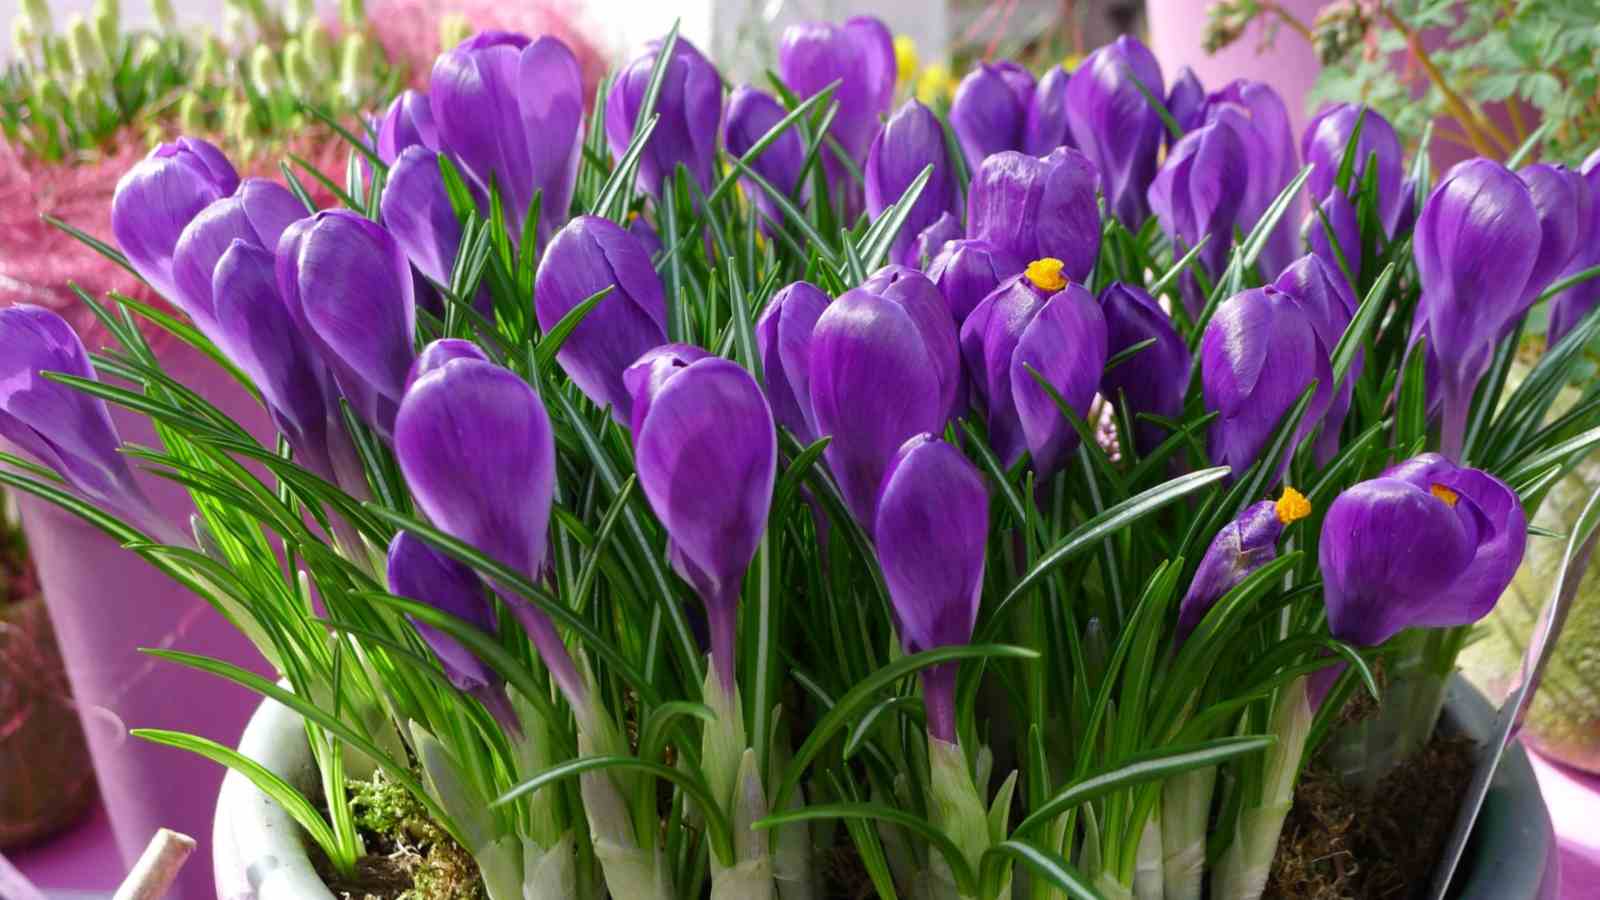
(1242,873)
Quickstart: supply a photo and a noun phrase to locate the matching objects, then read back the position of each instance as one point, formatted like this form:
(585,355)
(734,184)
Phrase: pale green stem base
(1242,872)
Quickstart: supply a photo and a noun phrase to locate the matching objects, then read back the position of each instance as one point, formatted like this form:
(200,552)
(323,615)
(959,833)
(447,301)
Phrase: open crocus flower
(510,110)
(588,256)
(1155,379)
(257,213)
(1257,356)
(1034,208)
(932,528)
(1427,544)
(783,339)
(967,270)
(990,110)
(158,198)
(751,114)
(1043,322)
(910,141)
(688,110)
(707,456)
(1241,547)
(860,55)
(1116,126)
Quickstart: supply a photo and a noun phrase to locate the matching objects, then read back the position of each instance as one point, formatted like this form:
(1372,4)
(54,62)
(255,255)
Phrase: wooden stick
(157,868)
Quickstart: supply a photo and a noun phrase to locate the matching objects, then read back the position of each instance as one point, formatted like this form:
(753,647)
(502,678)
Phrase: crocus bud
(1562,200)
(688,110)
(874,384)
(156,199)
(1155,379)
(475,446)
(932,239)
(417,211)
(707,456)
(1427,544)
(783,339)
(1037,208)
(968,270)
(38,13)
(590,255)
(1476,245)
(1185,103)
(1259,115)
(990,111)
(1198,194)
(349,288)
(297,13)
(1337,216)
(356,68)
(439,352)
(510,110)
(419,572)
(1322,294)
(62,427)
(1241,547)
(651,371)
(931,530)
(1258,354)
(1324,144)
(317,45)
(407,123)
(751,114)
(1569,307)
(1043,322)
(646,235)
(910,141)
(257,214)
(860,55)
(1115,126)
(921,299)
(1047,127)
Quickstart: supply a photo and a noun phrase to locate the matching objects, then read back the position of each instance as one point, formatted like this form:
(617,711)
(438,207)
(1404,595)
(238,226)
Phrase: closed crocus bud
(1043,322)
(588,256)
(1034,208)
(475,446)
(1324,145)
(652,370)
(416,209)
(990,111)
(1569,307)
(1046,127)
(932,239)
(688,110)
(1198,194)
(1241,547)
(1476,245)
(437,353)
(1115,126)
(783,339)
(510,110)
(751,114)
(1155,379)
(62,427)
(407,123)
(419,572)
(874,384)
(1336,217)
(707,456)
(1257,112)
(1186,102)
(932,528)
(860,55)
(1257,356)
(1427,544)
(1562,200)
(968,270)
(910,141)
(157,198)
(1322,293)
(646,235)
(257,214)
(349,288)
(914,292)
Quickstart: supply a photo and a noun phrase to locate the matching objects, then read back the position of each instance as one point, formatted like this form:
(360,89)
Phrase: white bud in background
(165,16)
(265,75)
(453,29)
(149,48)
(236,25)
(353,13)
(357,78)
(191,115)
(317,44)
(87,56)
(297,14)
(301,78)
(38,14)
(23,37)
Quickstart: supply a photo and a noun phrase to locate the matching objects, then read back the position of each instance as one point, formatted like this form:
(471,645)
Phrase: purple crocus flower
(510,110)
(1186,103)
(257,213)
(688,110)
(1564,205)
(990,110)
(475,446)
(751,114)
(1047,127)
(588,256)
(1427,544)
(65,429)
(1241,547)
(407,123)
(156,199)
(1324,143)
(1199,194)
(1039,321)
(1258,113)
(783,340)
(1155,379)
(1322,294)
(707,456)
(654,369)
(349,289)
(1476,245)
(910,141)
(927,307)
(419,572)
(1114,124)
(932,528)
(417,211)
(1570,307)
(1258,354)
(1338,216)
(932,239)
(439,352)
(647,236)
(860,55)
(1037,208)
(966,271)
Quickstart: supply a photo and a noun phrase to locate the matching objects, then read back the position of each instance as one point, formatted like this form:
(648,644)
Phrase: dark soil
(408,856)
(1340,843)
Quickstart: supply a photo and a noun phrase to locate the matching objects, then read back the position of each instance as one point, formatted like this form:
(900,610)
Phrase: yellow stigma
(1292,506)
(905,58)
(1443,493)
(1046,274)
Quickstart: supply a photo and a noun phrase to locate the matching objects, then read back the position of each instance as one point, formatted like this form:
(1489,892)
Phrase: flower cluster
(768,399)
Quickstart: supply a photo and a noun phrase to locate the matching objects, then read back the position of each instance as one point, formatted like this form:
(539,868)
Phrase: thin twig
(1292,21)
(157,868)
(1485,136)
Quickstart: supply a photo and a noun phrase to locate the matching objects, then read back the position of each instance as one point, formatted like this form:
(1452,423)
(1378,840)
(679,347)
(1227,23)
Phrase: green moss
(409,857)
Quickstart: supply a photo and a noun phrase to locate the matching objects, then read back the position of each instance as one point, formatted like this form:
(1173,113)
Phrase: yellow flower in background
(1072,61)
(936,84)
(905,58)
